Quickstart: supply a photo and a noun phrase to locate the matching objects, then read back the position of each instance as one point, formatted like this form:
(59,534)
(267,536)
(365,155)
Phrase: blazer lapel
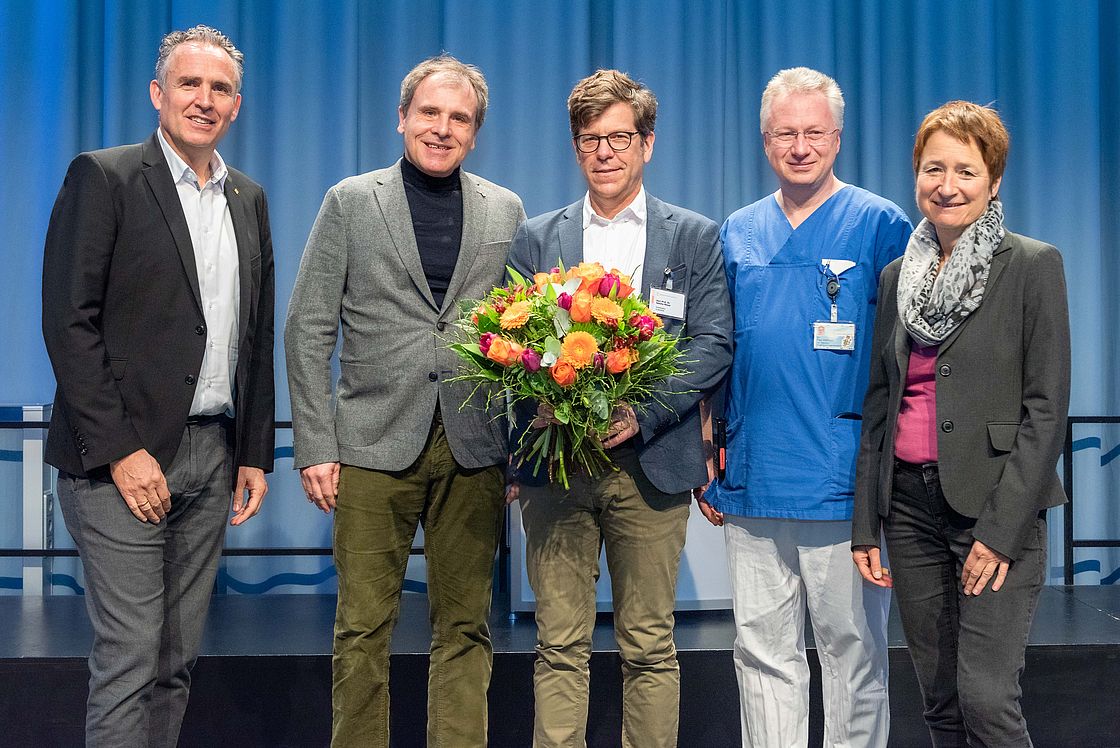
(901,349)
(661,229)
(158,176)
(999,262)
(569,239)
(239,213)
(474,222)
(398,221)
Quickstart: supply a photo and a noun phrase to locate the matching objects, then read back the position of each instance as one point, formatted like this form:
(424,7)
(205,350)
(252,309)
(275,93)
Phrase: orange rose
(624,288)
(563,373)
(605,311)
(515,315)
(620,360)
(504,352)
(578,348)
(589,273)
(581,307)
(543,279)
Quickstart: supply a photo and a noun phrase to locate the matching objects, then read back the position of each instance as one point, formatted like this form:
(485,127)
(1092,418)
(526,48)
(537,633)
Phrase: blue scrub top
(794,412)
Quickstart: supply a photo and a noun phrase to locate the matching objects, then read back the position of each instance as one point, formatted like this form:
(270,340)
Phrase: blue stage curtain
(322,85)
(321,89)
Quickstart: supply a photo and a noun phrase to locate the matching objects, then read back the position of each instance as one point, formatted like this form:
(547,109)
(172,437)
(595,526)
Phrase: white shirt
(215,260)
(618,242)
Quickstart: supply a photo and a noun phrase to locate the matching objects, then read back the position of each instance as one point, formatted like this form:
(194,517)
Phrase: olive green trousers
(375,522)
(643,532)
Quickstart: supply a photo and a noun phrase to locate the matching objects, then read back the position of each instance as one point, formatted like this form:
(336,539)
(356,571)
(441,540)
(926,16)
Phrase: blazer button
(441,326)
(200,330)
(432,376)
(945,370)
(189,379)
(83,451)
(947,426)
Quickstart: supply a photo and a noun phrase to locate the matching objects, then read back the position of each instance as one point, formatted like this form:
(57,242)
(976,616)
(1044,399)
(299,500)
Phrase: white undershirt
(215,259)
(618,242)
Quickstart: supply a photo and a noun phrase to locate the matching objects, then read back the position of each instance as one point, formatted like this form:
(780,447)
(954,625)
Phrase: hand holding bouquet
(581,343)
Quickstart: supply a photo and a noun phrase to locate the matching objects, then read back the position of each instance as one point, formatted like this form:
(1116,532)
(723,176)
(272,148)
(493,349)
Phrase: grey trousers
(148,588)
(968,651)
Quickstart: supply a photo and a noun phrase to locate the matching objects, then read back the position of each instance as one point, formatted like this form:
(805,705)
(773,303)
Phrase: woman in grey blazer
(963,423)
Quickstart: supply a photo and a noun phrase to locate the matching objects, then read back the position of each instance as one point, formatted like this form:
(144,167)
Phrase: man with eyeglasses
(638,513)
(803,265)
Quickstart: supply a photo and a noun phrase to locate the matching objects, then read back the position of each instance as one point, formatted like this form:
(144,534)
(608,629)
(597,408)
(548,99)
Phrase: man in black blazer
(158,319)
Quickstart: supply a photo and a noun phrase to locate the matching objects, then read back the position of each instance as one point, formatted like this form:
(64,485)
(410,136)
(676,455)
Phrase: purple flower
(599,362)
(484,342)
(554,271)
(564,300)
(610,282)
(645,326)
(531,360)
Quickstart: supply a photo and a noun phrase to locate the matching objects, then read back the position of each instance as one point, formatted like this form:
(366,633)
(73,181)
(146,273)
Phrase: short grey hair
(198,35)
(445,63)
(802,81)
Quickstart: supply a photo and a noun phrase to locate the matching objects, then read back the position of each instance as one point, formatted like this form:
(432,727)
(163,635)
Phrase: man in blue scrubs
(803,266)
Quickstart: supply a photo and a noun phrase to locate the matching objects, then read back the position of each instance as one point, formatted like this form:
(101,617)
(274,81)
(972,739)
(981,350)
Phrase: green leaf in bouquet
(561,321)
(516,277)
(600,404)
(471,352)
(552,345)
(550,293)
(563,413)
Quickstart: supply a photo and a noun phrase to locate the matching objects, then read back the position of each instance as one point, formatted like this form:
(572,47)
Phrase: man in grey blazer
(390,256)
(639,512)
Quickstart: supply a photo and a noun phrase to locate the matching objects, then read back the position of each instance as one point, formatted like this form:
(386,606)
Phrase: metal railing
(1069,541)
(38,507)
(39,511)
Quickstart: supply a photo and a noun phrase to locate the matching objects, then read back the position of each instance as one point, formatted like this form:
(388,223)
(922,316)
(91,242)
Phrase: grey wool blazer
(361,274)
(685,246)
(1003,379)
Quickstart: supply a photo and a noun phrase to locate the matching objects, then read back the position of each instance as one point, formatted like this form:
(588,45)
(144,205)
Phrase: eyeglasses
(812,137)
(618,141)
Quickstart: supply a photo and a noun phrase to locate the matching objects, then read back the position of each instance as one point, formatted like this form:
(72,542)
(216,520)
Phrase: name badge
(834,336)
(665,303)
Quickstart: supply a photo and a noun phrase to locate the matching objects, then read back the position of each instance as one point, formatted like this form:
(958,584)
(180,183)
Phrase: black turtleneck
(436,205)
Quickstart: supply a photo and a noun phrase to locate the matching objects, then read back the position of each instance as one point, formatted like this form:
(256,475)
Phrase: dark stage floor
(264,675)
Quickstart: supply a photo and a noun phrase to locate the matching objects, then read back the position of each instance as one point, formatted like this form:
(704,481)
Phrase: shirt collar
(181,170)
(635,211)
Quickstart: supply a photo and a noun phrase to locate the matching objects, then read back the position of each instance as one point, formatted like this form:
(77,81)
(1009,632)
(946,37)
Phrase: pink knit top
(915,438)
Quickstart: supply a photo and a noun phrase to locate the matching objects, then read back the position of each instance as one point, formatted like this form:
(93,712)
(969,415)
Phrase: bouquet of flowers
(580,342)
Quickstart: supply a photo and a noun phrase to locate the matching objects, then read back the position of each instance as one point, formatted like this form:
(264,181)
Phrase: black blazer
(122,314)
(1003,379)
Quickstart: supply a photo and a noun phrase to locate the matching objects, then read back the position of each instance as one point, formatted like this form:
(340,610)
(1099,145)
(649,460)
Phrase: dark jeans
(968,651)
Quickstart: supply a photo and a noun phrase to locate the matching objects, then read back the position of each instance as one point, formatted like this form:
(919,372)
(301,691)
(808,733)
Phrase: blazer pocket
(490,249)
(118,365)
(1001,435)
